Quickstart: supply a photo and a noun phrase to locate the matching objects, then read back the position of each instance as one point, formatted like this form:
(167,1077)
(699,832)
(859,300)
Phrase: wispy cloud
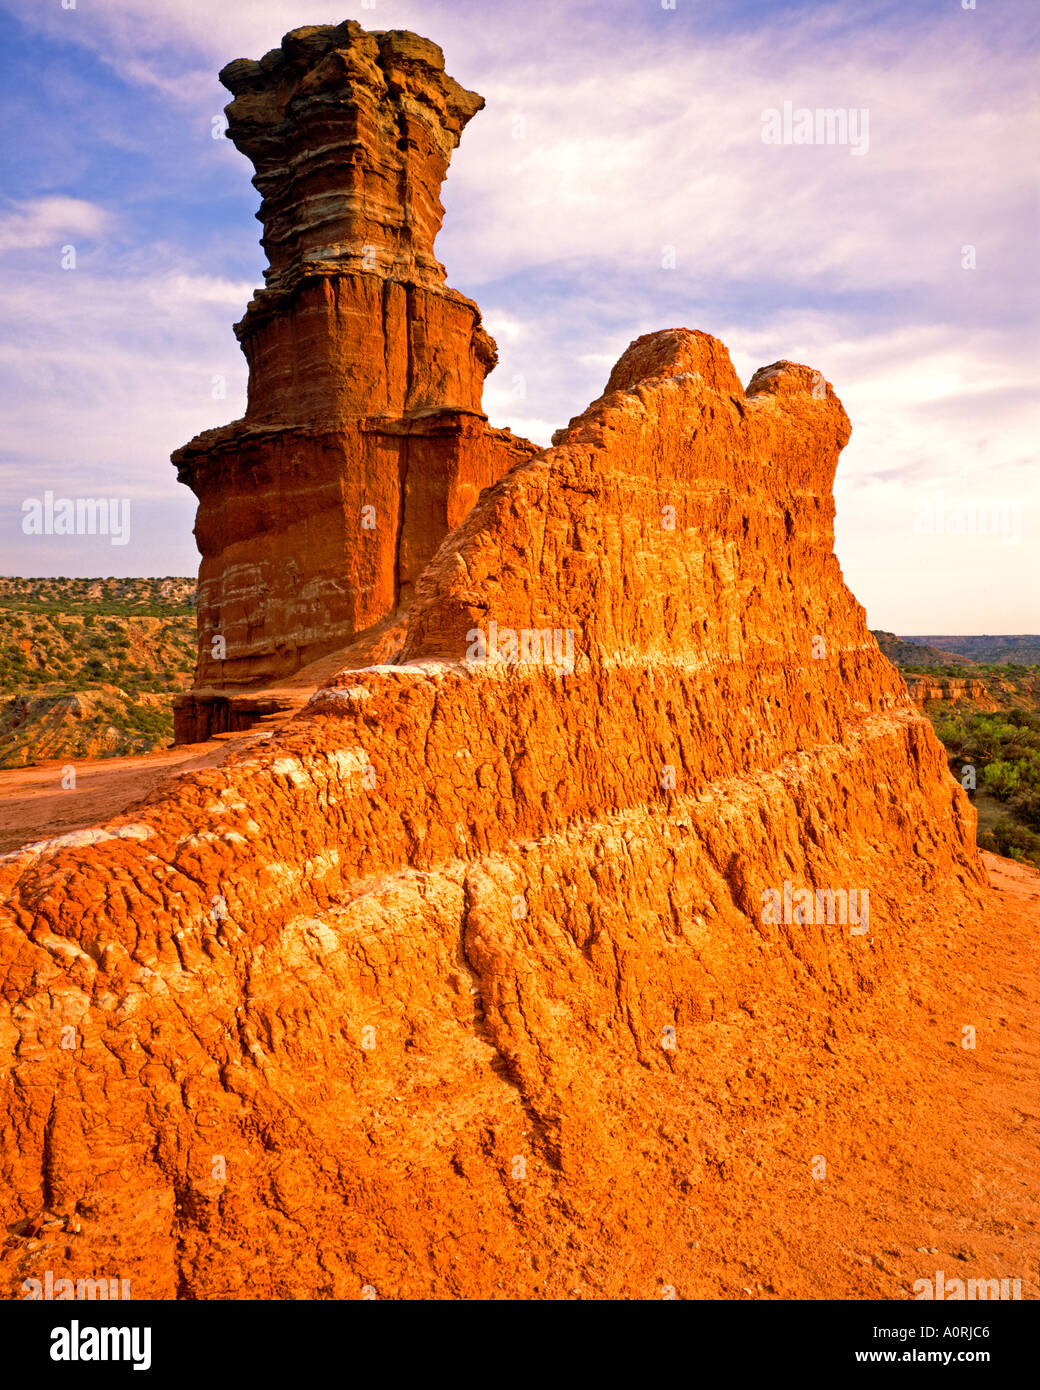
(46,221)
(616,182)
(103,376)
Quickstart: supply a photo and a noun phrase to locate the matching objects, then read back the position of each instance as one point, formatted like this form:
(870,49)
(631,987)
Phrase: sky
(623,177)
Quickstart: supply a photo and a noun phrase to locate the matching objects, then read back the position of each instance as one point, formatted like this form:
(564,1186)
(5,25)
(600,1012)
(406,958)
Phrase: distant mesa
(1021,649)
(911,651)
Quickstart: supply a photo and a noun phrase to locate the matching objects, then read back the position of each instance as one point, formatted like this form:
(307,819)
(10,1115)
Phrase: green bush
(1012,841)
(1002,779)
(1025,807)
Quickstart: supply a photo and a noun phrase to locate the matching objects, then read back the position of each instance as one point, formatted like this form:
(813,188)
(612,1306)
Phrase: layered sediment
(363,441)
(469,916)
(950,688)
(546,956)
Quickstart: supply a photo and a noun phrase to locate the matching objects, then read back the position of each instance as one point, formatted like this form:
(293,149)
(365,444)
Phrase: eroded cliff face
(952,689)
(471,980)
(613,881)
(363,442)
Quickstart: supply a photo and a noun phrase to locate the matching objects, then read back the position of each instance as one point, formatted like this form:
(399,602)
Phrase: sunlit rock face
(363,442)
(547,952)
(515,962)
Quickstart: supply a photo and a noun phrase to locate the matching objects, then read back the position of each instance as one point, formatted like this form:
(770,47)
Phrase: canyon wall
(363,442)
(950,689)
(480,977)
(544,953)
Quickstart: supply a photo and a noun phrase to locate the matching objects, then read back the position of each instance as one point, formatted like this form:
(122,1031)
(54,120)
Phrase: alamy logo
(824,126)
(954,1290)
(107,1290)
(77,516)
(935,516)
(819,906)
(75,1343)
(528,646)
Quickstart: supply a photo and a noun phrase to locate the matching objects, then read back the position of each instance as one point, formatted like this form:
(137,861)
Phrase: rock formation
(363,443)
(545,957)
(952,689)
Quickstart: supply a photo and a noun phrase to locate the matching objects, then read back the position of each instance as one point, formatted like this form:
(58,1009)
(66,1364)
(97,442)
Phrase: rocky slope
(903,651)
(517,943)
(1021,649)
(951,689)
(607,925)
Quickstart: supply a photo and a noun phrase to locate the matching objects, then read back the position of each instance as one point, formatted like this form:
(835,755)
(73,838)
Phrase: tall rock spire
(528,962)
(363,441)
(350,134)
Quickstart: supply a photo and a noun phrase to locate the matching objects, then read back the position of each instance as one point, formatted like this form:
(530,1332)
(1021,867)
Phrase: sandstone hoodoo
(551,955)
(363,442)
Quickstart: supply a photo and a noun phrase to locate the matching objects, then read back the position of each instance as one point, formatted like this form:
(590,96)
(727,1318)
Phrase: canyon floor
(34,805)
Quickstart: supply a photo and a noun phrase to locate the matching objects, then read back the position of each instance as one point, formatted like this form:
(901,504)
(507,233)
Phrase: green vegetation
(990,730)
(1003,749)
(88,667)
(1010,675)
(168,597)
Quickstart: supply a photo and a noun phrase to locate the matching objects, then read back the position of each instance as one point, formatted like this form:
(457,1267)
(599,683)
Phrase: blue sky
(612,131)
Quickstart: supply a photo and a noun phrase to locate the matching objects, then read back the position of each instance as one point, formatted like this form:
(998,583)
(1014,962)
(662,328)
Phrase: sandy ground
(939,1144)
(35,806)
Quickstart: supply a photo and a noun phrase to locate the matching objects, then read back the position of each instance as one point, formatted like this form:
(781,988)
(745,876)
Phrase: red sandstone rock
(462,984)
(437,933)
(950,688)
(363,443)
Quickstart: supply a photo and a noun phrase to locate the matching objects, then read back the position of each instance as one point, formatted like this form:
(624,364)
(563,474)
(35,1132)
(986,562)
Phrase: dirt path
(35,806)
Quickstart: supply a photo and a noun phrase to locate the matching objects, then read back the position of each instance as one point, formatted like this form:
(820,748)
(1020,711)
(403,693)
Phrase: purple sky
(618,139)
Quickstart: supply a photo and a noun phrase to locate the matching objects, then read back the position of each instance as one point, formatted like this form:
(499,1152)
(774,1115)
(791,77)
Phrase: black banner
(72,1340)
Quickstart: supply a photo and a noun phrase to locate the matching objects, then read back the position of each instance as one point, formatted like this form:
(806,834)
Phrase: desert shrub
(1025,807)
(1012,841)
(949,730)
(1002,779)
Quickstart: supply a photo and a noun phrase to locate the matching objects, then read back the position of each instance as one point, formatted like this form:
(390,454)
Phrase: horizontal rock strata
(951,688)
(463,985)
(363,442)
